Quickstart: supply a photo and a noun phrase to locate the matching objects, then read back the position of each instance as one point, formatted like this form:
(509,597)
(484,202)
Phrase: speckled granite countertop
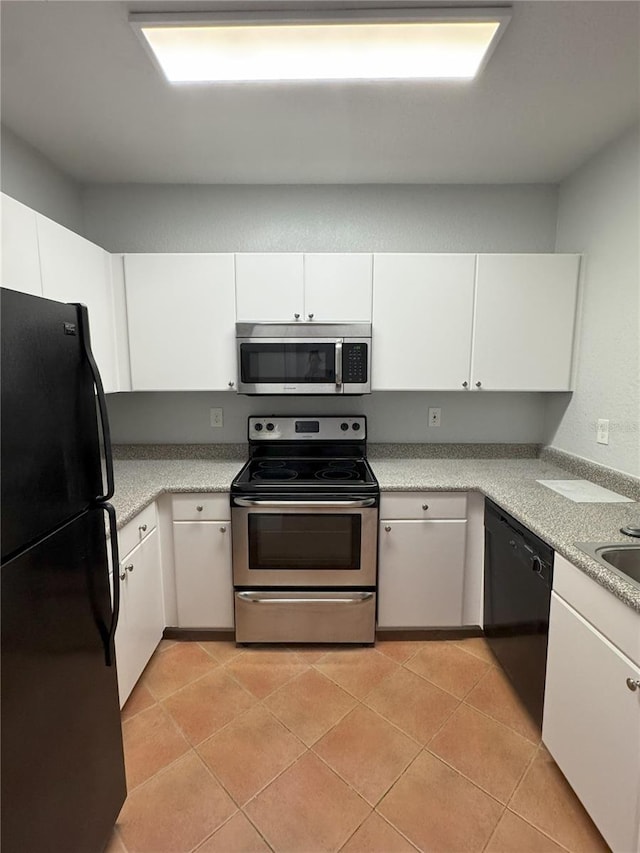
(511,483)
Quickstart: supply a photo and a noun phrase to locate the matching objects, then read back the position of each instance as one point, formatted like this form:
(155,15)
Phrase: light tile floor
(413,745)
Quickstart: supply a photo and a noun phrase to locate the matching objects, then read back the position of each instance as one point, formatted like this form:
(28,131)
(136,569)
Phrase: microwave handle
(338,363)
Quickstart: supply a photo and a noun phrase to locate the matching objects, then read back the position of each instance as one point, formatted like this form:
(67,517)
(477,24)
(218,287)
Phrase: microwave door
(301,366)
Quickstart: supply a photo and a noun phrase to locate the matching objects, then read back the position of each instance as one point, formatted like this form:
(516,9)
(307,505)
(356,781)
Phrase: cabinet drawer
(423,505)
(133,533)
(201,507)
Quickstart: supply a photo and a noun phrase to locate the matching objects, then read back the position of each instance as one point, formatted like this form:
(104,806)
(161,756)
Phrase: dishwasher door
(518,575)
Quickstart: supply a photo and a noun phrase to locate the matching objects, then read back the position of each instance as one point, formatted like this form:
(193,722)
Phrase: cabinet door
(591,723)
(421,574)
(422,313)
(269,287)
(181,321)
(338,288)
(524,322)
(20,255)
(141,621)
(204,584)
(75,270)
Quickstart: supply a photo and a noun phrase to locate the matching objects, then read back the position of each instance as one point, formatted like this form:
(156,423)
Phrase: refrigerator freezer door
(63,780)
(51,467)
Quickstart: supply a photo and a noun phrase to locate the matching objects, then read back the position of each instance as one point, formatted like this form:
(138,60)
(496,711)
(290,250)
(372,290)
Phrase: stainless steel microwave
(304,358)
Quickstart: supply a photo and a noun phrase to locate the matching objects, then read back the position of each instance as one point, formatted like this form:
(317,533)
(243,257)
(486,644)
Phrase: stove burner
(335,473)
(342,463)
(275,474)
(272,463)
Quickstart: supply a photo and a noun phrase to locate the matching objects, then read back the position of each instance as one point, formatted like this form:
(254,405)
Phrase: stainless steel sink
(623,559)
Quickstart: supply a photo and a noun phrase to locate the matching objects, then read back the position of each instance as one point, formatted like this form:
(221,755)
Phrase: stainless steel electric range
(304,521)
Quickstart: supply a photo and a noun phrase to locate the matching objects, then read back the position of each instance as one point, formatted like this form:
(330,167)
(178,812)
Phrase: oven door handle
(306,504)
(348,598)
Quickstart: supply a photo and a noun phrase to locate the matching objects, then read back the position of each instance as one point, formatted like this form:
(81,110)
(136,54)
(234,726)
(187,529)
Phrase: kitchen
(576,198)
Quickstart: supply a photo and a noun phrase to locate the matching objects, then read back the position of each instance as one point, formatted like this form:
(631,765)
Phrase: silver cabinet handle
(223,529)
(297,316)
(142,528)
(388,528)
(129,567)
(478,384)
(231,383)
(425,507)
(310,316)
(123,576)
(305,504)
(465,384)
(633,683)
(199,507)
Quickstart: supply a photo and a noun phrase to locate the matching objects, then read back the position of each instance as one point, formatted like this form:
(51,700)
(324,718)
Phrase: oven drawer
(305,617)
(423,505)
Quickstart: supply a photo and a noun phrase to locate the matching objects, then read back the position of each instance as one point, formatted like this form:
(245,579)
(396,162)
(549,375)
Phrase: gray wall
(29,177)
(599,215)
(385,218)
(174,418)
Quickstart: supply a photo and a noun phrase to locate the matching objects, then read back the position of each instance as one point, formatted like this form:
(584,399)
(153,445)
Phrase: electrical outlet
(216,418)
(602,434)
(434,417)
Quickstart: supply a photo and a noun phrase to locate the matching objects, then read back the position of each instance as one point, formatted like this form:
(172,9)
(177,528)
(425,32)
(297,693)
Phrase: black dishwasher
(518,574)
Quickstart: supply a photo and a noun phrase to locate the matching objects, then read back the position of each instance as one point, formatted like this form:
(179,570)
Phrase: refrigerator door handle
(115,576)
(83,315)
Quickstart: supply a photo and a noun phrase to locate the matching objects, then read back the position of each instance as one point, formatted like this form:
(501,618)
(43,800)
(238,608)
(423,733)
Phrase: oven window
(304,541)
(295,363)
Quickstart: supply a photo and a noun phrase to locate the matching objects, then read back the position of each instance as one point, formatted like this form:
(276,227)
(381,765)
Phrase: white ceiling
(77,85)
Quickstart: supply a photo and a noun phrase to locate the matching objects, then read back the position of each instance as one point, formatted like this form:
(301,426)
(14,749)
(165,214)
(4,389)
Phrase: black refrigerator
(62,766)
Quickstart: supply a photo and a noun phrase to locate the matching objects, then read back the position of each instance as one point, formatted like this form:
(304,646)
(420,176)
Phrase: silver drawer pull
(258,598)
(304,504)
(129,567)
(425,507)
(223,529)
(633,683)
(388,528)
(143,528)
(199,507)
(123,576)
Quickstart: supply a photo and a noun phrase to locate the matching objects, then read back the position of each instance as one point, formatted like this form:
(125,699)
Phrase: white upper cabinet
(75,270)
(324,288)
(338,288)
(20,256)
(181,317)
(269,287)
(524,322)
(422,319)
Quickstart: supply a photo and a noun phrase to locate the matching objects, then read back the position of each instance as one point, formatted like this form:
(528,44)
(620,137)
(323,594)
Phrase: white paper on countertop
(584,492)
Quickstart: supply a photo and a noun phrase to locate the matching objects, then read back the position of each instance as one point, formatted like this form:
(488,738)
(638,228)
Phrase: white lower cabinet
(421,563)
(591,713)
(141,620)
(202,559)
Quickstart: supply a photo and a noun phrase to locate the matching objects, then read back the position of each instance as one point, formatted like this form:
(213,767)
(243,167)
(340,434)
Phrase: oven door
(290,366)
(304,543)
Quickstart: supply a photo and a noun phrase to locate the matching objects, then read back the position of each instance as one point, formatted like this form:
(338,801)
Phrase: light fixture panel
(348,47)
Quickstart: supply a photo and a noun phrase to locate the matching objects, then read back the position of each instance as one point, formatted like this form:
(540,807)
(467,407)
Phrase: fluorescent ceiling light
(223,48)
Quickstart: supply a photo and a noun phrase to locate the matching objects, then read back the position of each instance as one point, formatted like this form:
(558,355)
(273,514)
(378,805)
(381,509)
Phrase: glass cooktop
(310,473)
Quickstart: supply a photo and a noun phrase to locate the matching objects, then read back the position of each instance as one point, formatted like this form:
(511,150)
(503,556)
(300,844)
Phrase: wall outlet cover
(216,418)
(602,433)
(434,417)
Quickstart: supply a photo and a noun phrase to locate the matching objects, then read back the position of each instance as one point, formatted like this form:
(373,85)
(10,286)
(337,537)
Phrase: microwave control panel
(354,363)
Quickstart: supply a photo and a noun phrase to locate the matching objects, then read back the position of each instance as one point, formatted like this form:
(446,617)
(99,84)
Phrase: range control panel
(306,428)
